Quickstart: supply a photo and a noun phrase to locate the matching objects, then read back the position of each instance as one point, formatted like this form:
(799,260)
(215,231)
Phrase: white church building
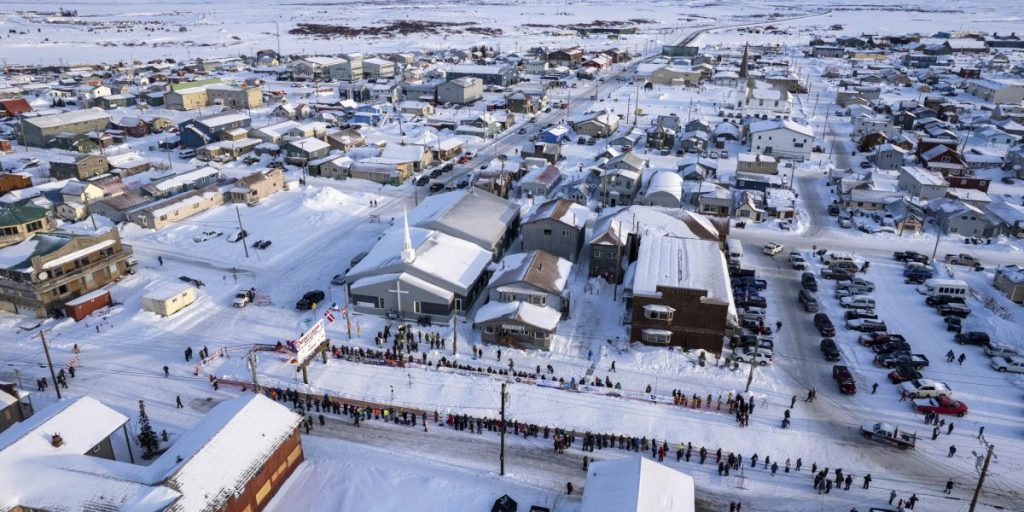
(414,272)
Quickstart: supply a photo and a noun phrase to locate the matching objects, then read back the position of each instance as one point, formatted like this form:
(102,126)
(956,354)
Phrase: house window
(458,304)
(656,336)
(565,233)
(506,297)
(658,312)
(539,300)
(547,232)
(416,307)
(489,329)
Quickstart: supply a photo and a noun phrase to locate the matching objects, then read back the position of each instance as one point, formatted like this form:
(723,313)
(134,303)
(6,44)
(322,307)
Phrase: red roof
(15,106)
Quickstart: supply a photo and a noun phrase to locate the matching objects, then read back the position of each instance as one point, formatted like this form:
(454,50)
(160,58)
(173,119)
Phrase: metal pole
(750,377)
(938,236)
(252,366)
(46,350)
(455,335)
(501,456)
(981,479)
(241,231)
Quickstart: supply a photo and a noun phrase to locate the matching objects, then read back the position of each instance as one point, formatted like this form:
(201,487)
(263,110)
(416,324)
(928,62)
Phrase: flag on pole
(329,316)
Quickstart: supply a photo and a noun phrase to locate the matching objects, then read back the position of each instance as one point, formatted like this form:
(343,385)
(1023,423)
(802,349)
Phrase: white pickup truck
(963,259)
(889,433)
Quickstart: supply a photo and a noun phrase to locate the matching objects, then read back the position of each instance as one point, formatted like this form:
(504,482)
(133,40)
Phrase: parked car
(903,374)
(997,350)
(857,301)
(422,181)
(910,256)
(963,259)
(835,273)
(751,301)
(877,338)
(941,300)
(797,261)
(808,282)
(238,237)
(824,325)
(833,210)
(753,314)
(922,388)
(900,359)
(243,298)
(978,338)
(857,283)
(772,248)
(1008,364)
(829,349)
(853,314)
(809,301)
(953,309)
(206,235)
(953,323)
(892,347)
(866,325)
(752,355)
(845,222)
(940,405)
(310,299)
(436,186)
(844,379)
(750,340)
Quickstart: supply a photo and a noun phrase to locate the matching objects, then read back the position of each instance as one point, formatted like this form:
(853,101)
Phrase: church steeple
(408,254)
(745,63)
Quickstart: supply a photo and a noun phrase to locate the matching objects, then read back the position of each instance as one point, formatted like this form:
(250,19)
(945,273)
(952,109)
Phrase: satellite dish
(43,276)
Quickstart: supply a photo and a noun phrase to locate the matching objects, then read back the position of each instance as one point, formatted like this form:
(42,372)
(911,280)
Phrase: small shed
(84,306)
(168,298)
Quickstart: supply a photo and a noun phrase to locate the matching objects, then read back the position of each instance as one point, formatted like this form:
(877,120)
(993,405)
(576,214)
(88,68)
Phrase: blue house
(555,135)
(370,115)
(199,132)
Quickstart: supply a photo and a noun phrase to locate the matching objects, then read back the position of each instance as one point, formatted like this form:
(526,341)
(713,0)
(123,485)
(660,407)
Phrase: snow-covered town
(571,256)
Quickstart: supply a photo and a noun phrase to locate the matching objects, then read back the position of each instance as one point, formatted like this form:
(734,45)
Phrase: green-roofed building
(19,222)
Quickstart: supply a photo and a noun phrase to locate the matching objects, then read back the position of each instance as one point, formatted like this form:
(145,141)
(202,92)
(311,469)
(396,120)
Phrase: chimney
(56,440)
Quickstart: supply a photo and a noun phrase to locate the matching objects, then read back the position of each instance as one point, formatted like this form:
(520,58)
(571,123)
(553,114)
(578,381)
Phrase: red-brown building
(83,306)
(680,294)
(16,106)
(9,182)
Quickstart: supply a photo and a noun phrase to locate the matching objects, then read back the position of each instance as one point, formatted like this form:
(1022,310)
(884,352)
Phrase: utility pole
(88,210)
(501,457)
(278,28)
(46,350)
(252,366)
(750,377)
(241,232)
(455,334)
(981,479)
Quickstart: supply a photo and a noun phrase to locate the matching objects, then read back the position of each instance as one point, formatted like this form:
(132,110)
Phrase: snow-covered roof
(923,176)
(40,476)
(186,178)
(666,181)
(223,119)
(675,262)
(440,259)
(167,290)
(776,124)
(539,269)
(561,210)
(224,451)
(636,484)
(471,214)
(75,116)
(541,317)
(404,152)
